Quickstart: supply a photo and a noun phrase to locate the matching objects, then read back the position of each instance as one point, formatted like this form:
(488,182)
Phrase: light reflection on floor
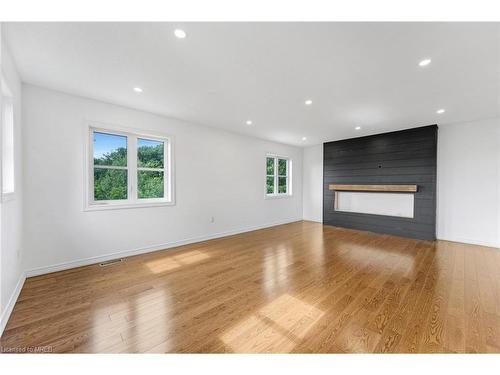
(129,323)
(401,256)
(279,324)
(176,261)
(275,273)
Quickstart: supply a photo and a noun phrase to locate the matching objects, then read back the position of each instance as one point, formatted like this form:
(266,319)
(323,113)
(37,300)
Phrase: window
(128,169)
(7,137)
(150,169)
(278,173)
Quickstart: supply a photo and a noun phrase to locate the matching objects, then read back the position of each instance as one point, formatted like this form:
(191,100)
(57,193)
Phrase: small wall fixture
(181,34)
(424,62)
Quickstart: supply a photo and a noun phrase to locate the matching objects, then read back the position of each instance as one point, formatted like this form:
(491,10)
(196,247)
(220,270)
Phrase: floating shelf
(381,188)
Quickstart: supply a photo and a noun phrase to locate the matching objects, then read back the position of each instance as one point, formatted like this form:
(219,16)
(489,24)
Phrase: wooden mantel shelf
(382,188)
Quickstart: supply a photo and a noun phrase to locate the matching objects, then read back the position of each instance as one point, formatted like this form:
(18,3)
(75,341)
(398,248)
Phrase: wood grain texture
(382,188)
(295,288)
(406,157)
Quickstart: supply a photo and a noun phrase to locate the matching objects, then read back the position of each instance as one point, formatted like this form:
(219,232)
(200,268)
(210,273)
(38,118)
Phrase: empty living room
(239,185)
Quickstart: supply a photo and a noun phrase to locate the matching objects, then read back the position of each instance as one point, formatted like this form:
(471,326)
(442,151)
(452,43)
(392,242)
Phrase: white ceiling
(222,74)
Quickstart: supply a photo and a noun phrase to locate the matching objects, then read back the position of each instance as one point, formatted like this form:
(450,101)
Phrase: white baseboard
(314,220)
(468,241)
(148,249)
(12,301)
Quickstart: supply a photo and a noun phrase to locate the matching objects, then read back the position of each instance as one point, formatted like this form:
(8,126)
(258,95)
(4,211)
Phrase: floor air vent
(110,262)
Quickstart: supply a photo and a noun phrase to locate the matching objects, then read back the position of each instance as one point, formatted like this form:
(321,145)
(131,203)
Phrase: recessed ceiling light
(440,111)
(181,34)
(357,128)
(249,122)
(424,62)
(308,102)
(304,138)
(137,89)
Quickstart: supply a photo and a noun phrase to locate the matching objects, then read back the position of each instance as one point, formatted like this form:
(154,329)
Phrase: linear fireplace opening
(375,203)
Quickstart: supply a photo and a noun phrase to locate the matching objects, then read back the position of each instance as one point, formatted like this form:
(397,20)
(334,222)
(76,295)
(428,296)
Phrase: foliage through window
(150,172)
(278,176)
(129,169)
(110,167)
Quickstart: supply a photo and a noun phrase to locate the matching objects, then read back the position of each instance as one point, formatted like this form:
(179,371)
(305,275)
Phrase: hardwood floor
(300,287)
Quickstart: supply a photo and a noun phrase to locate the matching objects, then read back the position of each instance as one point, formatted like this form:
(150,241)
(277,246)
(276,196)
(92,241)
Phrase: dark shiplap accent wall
(402,157)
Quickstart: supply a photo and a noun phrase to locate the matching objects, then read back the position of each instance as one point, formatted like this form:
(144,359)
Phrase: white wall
(12,271)
(312,183)
(468,183)
(217,173)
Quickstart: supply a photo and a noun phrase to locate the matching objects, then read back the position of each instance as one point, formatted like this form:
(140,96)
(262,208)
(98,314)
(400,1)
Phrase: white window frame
(132,201)
(276,176)
(7,99)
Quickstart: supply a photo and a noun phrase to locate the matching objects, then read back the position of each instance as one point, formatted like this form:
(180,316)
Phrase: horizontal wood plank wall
(402,157)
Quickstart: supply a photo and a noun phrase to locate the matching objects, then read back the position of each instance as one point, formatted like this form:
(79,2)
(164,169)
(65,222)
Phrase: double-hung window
(128,169)
(278,176)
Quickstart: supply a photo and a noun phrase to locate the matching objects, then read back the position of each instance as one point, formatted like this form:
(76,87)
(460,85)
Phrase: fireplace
(387,204)
(386,200)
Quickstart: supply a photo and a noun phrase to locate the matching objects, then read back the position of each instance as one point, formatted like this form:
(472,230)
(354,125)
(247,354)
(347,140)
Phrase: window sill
(280,196)
(105,207)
